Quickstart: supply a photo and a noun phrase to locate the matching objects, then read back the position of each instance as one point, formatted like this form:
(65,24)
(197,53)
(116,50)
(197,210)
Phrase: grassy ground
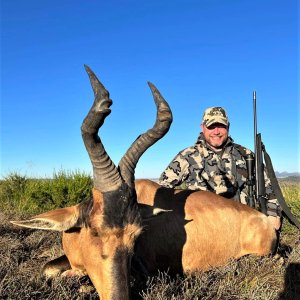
(23,252)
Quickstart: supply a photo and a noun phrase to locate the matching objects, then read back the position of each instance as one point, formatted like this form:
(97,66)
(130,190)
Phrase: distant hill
(288,177)
(287,174)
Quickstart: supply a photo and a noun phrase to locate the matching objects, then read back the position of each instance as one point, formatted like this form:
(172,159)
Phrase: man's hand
(275,221)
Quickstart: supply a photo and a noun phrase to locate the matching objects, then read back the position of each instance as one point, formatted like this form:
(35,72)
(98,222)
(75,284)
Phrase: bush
(20,194)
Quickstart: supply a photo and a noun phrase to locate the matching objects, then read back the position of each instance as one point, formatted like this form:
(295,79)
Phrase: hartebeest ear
(148,211)
(59,219)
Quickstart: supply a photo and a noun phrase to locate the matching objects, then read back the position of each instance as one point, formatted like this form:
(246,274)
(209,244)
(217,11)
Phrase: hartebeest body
(199,229)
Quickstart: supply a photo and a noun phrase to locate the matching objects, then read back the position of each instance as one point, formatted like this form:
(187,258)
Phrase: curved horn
(106,175)
(162,124)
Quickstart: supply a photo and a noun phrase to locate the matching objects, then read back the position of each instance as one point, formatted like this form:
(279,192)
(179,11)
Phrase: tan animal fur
(203,230)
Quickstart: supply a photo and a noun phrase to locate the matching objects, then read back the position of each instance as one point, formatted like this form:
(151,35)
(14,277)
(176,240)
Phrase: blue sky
(199,54)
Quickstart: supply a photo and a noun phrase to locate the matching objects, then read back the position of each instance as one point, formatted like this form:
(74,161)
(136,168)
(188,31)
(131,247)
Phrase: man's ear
(60,219)
(149,212)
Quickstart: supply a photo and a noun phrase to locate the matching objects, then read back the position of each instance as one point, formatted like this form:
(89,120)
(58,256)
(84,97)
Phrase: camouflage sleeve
(273,208)
(175,173)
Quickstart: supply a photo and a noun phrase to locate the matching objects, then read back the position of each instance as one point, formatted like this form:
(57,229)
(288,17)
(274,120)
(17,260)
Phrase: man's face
(215,134)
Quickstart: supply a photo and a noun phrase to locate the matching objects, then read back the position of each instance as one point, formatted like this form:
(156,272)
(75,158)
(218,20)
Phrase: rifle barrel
(255,119)
(255,143)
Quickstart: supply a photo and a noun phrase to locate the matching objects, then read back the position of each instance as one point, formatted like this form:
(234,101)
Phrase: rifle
(260,190)
(262,156)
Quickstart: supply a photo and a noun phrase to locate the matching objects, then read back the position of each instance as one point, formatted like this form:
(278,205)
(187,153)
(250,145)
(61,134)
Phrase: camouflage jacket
(225,173)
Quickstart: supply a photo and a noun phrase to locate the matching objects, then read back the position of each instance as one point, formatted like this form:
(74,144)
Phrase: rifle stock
(259,176)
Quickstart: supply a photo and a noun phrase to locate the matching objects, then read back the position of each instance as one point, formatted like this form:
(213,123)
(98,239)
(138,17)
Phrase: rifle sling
(277,190)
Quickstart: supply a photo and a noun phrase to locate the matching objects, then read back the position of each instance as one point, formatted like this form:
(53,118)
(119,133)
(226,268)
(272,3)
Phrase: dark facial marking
(120,207)
(85,208)
(121,273)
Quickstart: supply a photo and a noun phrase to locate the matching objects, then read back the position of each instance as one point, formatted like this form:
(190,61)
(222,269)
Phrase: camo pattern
(214,115)
(200,168)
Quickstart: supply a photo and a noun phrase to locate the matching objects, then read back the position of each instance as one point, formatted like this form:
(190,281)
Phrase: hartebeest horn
(106,175)
(163,122)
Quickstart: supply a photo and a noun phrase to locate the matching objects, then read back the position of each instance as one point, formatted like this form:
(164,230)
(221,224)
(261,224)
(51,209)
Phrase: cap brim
(216,121)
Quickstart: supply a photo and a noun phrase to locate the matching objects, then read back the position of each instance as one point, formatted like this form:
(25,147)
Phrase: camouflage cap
(214,115)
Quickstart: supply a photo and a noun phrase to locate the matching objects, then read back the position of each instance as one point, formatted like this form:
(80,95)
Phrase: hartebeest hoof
(73,273)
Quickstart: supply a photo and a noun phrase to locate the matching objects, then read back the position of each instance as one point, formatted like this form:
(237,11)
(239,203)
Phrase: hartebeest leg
(56,266)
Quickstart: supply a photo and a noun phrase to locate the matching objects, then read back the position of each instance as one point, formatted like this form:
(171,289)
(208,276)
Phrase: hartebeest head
(99,235)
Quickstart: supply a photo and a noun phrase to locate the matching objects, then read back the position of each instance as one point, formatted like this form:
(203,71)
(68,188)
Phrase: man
(215,163)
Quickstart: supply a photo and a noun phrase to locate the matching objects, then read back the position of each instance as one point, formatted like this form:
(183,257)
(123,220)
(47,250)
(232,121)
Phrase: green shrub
(12,191)
(20,194)
(70,188)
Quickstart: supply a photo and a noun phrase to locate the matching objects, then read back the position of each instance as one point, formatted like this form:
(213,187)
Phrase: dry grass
(23,252)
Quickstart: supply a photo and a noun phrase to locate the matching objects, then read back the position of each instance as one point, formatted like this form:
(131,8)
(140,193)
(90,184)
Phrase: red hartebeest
(200,229)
